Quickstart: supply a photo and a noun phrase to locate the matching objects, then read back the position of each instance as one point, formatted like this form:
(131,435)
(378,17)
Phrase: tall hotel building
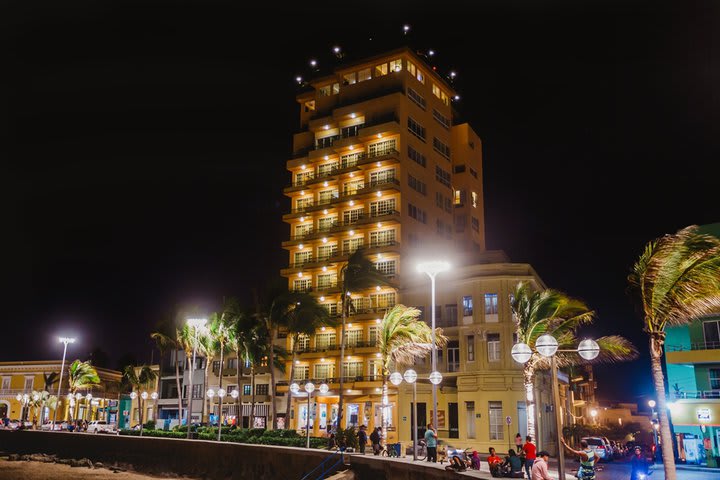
(379,163)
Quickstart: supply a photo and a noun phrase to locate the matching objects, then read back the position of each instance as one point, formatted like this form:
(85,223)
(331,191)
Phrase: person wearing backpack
(375,440)
(362,439)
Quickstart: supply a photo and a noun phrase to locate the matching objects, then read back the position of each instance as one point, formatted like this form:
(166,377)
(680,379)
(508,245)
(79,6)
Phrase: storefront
(696,424)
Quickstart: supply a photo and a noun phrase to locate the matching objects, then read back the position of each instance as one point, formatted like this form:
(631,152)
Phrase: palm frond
(403,339)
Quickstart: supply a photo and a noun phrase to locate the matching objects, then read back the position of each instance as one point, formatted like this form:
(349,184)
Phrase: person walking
(540,466)
(431,443)
(375,440)
(362,439)
(529,450)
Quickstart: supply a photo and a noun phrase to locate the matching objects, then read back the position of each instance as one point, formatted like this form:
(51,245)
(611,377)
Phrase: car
(602,450)
(101,426)
(58,426)
(15,424)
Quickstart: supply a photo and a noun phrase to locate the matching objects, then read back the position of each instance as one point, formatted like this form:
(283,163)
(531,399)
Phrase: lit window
(420,76)
(474,199)
(349,78)
(396,65)
(363,75)
(411,68)
(467,305)
(436,90)
(381,70)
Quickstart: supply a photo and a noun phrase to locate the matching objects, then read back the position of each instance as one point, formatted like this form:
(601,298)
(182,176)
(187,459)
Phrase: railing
(330,380)
(698,394)
(335,346)
(693,346)
(323,469)
(326,286)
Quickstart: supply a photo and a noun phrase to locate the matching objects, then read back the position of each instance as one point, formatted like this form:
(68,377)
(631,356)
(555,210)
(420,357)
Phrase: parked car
(58,426)
(15,424)
(101,426)
(602,450)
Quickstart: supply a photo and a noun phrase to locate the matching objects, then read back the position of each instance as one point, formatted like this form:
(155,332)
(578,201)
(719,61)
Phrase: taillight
(601,447)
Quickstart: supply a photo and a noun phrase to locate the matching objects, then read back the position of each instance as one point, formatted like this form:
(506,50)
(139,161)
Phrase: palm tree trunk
(292,376)
(177,384)
(251,420)
(220,401)
(160,365)
(238,375)
(271,366)
(656,350)
(341,399)
(385,403)
(528,374)
(206,402)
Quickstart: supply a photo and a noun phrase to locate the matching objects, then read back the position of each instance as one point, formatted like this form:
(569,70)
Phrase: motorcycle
(585,473)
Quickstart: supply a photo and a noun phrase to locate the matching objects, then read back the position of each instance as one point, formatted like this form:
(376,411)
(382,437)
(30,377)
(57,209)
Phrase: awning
(261,410)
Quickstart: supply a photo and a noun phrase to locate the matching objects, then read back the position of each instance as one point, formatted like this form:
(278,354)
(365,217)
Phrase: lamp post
(432,269)
(547,346)
(593,414)
(309,388)
(220,394)
(410,377)
(196,324)
(24,399)
(64,341)
(88,407)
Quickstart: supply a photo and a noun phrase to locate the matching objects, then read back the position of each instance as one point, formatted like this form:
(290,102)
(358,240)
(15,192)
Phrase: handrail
(307,475)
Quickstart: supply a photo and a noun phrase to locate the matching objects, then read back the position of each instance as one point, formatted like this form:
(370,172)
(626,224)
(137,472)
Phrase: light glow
(546,345)
(435,378)
(433,267)
(652,403)
(351,232)
(588,349)
(396,378)
(66,340)
(301,246)
(521,352)
(410,376)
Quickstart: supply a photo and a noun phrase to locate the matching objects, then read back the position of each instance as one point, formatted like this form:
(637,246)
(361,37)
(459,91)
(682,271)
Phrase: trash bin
(396,449)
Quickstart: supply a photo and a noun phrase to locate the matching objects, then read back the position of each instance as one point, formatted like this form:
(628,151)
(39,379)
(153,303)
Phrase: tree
(206,346)
(358,274)
(140,378)
(403,340)
(38,402)
(81,375)
(303,319)
(50,379)
(676,279)
(241,324)
(166,339)
(188,339)
(553,312)
(222,335)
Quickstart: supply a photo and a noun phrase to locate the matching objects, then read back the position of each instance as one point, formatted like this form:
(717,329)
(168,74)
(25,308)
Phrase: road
(620,470)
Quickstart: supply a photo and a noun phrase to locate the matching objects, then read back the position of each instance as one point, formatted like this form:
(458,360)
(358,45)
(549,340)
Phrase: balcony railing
(318,381)
(694,346)
(698,394)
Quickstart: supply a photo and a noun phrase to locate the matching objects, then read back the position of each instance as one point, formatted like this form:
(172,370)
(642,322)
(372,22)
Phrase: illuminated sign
(703,414)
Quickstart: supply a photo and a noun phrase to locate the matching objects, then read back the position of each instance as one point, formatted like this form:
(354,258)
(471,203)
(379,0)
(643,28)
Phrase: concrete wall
(205,459)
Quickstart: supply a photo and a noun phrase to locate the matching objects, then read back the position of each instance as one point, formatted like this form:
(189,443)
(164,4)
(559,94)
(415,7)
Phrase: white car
(601,449)
(58,426)
(101,426)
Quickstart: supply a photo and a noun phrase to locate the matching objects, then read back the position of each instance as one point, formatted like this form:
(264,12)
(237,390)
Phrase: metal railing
(325,466)
(693,346)
(698,394)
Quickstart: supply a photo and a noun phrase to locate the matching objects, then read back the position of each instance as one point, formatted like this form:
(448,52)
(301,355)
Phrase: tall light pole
(547,346)
(410,377)
(309,388)
(652,404)
(196,324)
(65,341)
(432,269)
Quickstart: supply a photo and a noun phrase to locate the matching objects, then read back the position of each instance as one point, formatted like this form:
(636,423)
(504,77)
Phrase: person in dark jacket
(362,439)
(639,465)
(375,437)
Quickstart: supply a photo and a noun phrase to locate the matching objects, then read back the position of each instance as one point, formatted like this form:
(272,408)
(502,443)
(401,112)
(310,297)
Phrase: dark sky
(145,148)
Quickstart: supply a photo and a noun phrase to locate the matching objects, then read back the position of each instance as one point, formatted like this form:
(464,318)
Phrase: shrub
(346,437)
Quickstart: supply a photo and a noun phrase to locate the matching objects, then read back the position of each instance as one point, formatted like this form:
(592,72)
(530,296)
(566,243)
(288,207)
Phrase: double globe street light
(547,346)
(309,388)
(143,396)
(410,376)
(221,394)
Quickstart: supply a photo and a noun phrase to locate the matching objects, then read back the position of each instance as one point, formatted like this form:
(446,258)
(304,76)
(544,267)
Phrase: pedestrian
(431,443)
(331,441)
(362,439)
(540,466)
(475,460)
(494,463)
(529,450)
(375,440)
(587,459)
(513,465)
(519,449)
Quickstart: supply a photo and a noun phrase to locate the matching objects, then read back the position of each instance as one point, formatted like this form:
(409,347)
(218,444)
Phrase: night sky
(144,149)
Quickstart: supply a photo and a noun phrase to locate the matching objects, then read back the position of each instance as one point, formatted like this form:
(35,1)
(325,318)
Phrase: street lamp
(24,399)
(196,324)
(593,414)
(547,346)
(64,341)
(220,394)
(410,377)
(432,268)
(309,388)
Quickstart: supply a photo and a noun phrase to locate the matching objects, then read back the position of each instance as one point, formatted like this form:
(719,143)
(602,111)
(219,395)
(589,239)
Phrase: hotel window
(350,159)
(326,251)
(493,347)
(379,238)
(324,341)
(474,199)
(444,98)
(451,314)
(261,389)
(416,129)
(442,176)
(247,389)
(354,337)
(382,207)
(459,197)
(326,223)
(303,343)
(471,348)
(396,65)
(335,88)
(29,383)
(441,148)
(327,169)
(303,203)
(331,308)
(439,200)
(448,205)
(230,389)
(453,356)
(349,78)
(6,383)
(373,335)
(441,119)
(302,177)
(302,230)
(491,305)
(383,300)
(420,76)
(475,224)
(301,258)
(351,188)
(458,168)
(232,363)
(326,196)
(416,156)
(375,369)
(382,176)
(386,267)
(467,306)
(436,90)
(416,97)
(351,245)
(197,390)
(310,106)
(496,420)
(411,68)
(216,365)
(417,213)
(302,372)
(326,280)
(379,149)
(711,331)
(352,369)
(363,75)
(460,223)
(417,185)
(302,285)
(714,374)
(381,70)
(325,91)
(352,216)
(324,371)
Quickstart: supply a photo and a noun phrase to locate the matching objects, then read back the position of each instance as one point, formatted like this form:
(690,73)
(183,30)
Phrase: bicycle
(389,453)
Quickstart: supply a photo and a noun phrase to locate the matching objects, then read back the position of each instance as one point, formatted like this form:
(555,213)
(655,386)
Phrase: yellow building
(24,378)
(380,163)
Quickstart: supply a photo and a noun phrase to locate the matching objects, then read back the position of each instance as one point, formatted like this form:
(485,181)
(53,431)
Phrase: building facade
(24,378)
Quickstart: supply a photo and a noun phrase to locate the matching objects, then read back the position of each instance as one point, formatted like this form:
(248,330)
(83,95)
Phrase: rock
(99,465)
(41,457)
(25,458)
(83,462)
(13,457)
(64,461)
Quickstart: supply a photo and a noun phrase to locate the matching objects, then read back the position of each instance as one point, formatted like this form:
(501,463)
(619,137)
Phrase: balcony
(699,394)
(694,353)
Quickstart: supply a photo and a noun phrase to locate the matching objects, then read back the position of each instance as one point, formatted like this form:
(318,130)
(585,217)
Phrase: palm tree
(242,327)
(403,340)
(304,319)
(140,378)
(164,343)
(358,274)
(222,336)
(50,379)
(206,346)
(676,279)
(81,375)
(188,338)
(39,401)
(553,312)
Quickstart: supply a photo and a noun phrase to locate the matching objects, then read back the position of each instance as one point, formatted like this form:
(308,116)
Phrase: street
(620,470)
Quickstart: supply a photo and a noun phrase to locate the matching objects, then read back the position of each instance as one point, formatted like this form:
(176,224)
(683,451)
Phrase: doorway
(421,420)
(470,419)
(453,420)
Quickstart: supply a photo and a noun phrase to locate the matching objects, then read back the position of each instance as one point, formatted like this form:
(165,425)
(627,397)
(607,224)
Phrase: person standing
(375,441)
(587,459)
(529,450)
(540,466)
(362,439)
(431,443)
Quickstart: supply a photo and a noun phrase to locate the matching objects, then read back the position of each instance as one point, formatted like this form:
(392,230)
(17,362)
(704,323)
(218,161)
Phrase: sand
(55,471)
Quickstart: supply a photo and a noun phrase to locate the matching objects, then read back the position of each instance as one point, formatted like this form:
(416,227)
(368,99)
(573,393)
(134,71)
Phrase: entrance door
(3,410)
(422,419)
(470,419)
(453,420)
(522,419)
